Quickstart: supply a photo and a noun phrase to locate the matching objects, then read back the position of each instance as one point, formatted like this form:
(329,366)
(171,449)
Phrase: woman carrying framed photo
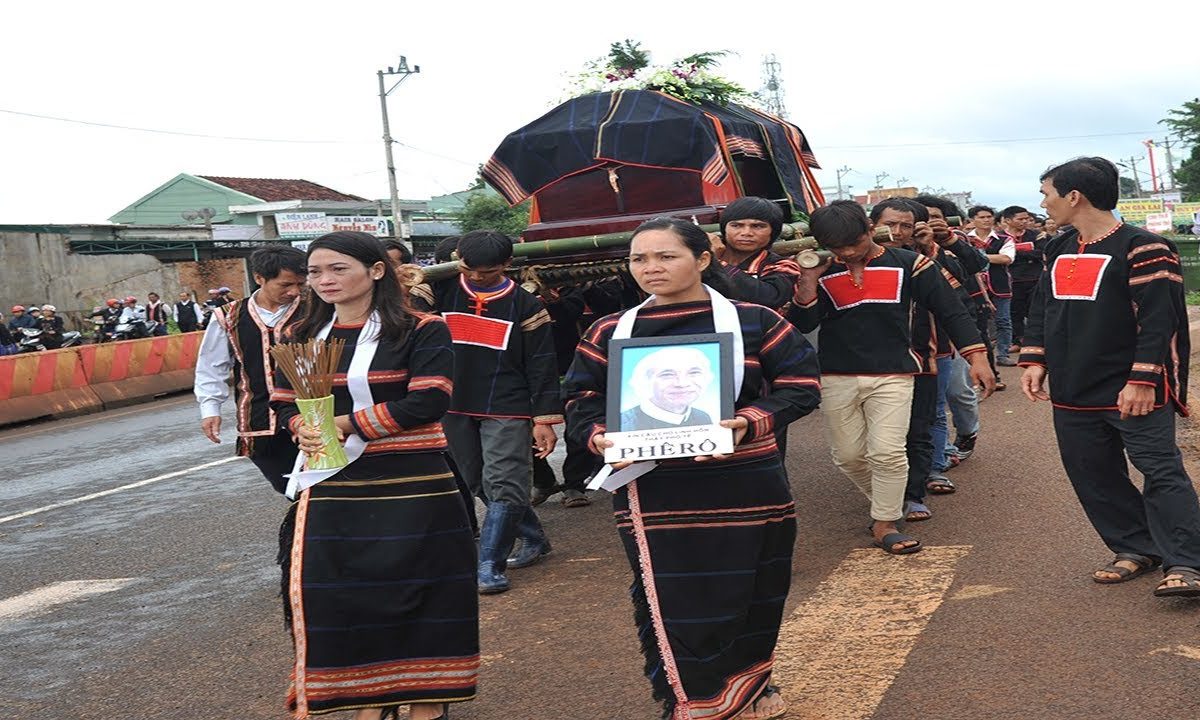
(709,537)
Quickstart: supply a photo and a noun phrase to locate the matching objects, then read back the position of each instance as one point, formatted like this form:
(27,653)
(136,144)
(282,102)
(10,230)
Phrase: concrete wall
(38,268)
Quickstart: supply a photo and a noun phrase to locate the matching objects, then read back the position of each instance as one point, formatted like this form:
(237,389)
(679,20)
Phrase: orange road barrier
(90,378)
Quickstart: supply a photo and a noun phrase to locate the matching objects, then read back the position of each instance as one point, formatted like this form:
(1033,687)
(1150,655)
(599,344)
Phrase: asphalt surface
(997,620)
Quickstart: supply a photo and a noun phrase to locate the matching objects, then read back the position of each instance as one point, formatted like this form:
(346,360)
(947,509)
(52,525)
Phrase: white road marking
(42,600)
(102,493)
(842,648)
(1187,651)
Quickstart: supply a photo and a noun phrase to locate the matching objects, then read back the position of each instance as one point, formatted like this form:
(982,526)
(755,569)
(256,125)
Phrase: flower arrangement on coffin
(628,67)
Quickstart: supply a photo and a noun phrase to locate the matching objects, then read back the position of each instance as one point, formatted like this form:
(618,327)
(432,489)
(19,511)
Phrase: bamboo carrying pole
(792,242)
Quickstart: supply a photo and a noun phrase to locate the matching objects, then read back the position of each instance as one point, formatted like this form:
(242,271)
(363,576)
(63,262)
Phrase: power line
(208,136)
(981,142)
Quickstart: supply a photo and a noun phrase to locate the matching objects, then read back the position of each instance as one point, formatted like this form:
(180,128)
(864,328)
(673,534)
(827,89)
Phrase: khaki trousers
(866,418)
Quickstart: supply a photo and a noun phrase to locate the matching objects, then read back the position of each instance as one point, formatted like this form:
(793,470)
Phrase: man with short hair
(1026,267)
(749,225)
(862,302)
(1109,326)
(668,383)
(1001,251)
(983,220)
(506,395)
(187,313)
(156,311)
(237,339)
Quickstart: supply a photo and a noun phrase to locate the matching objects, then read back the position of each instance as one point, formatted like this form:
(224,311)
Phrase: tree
(1185,121)
(1129,188)
(1187,176)
(490,212)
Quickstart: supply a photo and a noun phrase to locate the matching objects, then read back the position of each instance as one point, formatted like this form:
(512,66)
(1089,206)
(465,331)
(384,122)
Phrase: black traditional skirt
(379,580)
(711,552)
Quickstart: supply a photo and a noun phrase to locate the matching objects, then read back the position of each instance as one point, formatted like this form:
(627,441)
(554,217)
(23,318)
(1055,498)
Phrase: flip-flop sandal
(1189,576)
(889,541)
(1144,565)
(916,507)
(941,486)
(751,711)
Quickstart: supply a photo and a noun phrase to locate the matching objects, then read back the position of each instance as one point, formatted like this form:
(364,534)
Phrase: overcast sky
(880,87)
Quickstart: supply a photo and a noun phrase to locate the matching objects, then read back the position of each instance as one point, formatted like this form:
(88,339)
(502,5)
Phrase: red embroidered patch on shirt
(879,285)
(1078,277)
(470,329)
(1025,247)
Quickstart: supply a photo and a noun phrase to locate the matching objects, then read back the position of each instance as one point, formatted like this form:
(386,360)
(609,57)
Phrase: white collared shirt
(666,416)
(216,360)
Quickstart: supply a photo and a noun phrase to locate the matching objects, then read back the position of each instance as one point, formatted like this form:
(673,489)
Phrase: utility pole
(1137,182)
(879,180)
(901,181)
(841,172)
(773,87)
(1167,143)
(403,71)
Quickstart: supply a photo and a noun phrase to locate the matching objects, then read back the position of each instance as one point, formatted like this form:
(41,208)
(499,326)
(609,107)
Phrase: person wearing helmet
(52,326)
(135,315)
(21,319)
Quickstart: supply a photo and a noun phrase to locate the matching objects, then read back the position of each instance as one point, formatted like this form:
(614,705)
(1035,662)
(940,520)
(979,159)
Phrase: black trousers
(579,465)
(983,322)
(919,444)
(1161,521)
(274,456)
(188,326)
(1022,294)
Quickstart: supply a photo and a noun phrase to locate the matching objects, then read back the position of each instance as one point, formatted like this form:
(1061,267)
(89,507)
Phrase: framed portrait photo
(668,395)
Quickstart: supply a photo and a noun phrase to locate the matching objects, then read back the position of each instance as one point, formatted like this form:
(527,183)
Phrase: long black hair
(695,240)
(389,298)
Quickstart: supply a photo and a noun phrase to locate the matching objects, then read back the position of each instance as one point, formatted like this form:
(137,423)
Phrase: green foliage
(489,212)
(1129,188)
(1193,297)
(627,56)
(705,60)
(1185,121)
(1187,176)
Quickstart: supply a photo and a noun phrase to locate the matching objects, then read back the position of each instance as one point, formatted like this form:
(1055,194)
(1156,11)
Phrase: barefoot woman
(709,539)
(378,557)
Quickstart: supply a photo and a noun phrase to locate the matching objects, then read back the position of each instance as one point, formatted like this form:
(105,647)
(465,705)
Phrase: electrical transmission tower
(772,91)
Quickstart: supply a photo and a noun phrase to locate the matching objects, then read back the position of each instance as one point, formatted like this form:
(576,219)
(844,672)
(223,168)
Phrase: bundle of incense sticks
(309,366)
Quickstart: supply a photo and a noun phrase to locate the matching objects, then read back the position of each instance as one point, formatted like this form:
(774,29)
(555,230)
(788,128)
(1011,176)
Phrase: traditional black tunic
(710,544)
(867,329)
(765,278)
(1107,314)
(379,560)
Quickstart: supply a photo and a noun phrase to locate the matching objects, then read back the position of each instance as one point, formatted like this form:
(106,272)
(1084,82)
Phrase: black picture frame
(619,369)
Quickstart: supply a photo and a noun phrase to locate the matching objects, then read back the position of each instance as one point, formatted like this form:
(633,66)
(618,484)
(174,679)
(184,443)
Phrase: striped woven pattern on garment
(427,438)
(432,676)
(713,518)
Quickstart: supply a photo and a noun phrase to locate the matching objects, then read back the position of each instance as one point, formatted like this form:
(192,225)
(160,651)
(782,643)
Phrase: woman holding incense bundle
(378,558)
(709,539)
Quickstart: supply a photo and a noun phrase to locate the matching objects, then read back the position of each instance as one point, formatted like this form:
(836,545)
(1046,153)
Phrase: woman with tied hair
(709,539)
(378,559)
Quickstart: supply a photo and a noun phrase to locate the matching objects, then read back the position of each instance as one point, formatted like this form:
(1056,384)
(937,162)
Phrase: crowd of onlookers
(36,327)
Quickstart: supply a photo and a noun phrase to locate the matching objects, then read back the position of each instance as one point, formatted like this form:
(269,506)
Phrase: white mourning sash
(725,320)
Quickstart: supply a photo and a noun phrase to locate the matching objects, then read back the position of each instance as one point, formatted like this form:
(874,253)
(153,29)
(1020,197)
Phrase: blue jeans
(1004,329)
(964,403)
(939,431)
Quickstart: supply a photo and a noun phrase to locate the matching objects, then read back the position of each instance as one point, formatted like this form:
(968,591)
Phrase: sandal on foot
(753,713)
(891,540)
(1190,577)
(917,512)
(1144,565)
(575,498)
(939,484)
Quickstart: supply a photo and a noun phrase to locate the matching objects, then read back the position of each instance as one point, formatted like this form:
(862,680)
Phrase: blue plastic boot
(495,541)
(534,543)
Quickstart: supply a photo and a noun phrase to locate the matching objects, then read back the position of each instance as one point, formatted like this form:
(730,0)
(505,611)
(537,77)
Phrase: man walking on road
(1113,295)
(237,338)
(187,313)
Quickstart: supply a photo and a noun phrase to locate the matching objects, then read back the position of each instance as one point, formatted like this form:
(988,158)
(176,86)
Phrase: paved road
(161,600)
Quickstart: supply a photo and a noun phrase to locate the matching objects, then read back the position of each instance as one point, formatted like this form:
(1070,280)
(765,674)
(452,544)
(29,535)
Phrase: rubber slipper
(940,485)
(889,541)
(1144,565)
(751,712)
(916,507)
(1188,575)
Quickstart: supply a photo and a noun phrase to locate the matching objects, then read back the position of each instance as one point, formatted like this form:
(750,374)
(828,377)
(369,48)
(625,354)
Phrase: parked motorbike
(34,340)
(134,329)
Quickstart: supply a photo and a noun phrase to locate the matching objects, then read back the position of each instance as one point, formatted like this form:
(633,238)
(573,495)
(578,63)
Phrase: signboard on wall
(301,225)
(370,224)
